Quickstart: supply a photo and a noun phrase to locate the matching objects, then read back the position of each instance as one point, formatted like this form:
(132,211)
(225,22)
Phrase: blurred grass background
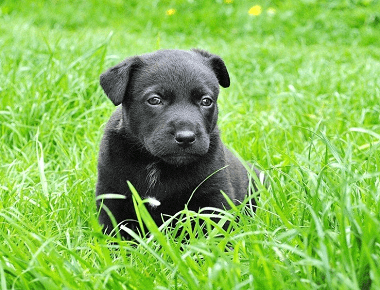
(303,106)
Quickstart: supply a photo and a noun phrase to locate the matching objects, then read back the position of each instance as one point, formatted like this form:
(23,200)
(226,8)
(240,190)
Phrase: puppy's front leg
(122,213)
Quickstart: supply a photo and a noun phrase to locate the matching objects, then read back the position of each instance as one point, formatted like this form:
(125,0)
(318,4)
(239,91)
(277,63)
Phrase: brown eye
(154,101)
(206,102)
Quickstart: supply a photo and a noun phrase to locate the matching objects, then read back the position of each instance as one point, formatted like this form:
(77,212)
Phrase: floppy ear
(115,80)
(217,65)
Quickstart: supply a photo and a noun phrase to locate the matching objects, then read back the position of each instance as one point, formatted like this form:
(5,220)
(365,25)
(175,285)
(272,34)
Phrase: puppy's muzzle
(185,138)
(180,141)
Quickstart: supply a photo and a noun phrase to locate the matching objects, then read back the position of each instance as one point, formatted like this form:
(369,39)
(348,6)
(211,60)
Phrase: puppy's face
(170,104)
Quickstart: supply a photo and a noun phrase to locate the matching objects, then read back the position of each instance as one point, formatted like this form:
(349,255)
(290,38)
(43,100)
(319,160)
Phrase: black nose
(184,138)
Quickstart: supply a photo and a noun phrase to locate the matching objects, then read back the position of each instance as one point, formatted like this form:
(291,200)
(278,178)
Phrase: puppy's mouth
(180,159)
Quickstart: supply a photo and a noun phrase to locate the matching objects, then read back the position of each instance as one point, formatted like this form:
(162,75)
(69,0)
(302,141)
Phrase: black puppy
(164,138)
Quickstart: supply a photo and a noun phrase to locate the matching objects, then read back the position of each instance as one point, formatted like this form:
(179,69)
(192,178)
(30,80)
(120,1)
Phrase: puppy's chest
(176,184)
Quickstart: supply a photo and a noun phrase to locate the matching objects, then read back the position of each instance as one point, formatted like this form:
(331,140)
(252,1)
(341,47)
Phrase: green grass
(303,106)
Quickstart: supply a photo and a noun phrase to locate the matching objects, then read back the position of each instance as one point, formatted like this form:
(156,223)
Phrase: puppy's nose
(184,138)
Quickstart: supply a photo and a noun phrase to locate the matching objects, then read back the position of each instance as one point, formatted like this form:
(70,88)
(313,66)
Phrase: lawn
(303,106)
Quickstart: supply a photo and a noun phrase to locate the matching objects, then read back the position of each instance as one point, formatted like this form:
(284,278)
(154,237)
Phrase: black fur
(164,138)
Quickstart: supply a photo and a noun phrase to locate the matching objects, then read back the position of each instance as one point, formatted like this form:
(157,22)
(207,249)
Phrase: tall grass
(303,106)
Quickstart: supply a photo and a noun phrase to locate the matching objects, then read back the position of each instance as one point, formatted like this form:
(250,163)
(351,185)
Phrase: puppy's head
(169,101)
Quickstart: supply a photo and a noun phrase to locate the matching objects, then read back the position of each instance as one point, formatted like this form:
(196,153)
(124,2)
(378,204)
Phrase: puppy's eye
(154,101)
(206,102)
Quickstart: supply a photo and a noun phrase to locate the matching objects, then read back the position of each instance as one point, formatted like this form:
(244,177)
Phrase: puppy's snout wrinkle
(184,138)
